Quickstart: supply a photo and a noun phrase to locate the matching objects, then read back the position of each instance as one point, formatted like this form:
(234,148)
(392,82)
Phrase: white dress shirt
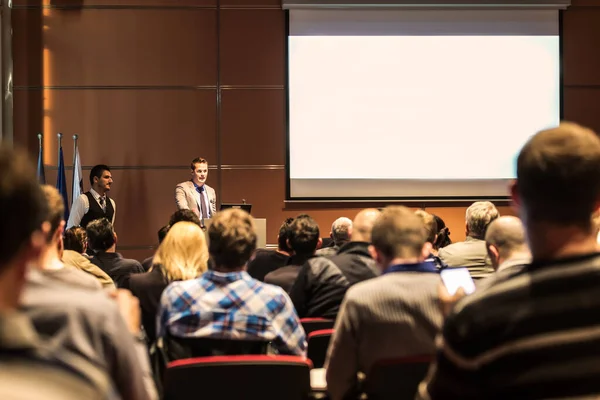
(82,205)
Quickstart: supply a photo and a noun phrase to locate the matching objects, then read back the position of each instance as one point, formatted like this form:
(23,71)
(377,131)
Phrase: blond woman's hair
(183,254)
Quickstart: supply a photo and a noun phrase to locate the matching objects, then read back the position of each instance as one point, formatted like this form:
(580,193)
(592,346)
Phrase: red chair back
(318,342)
(316,324)
(397,378)
(262,377)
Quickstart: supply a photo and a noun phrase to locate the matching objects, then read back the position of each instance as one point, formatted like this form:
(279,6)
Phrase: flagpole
(75,137)
(60,135)
(40,140)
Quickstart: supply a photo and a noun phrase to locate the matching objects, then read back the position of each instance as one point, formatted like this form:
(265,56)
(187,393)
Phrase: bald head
(505,238)
(363,225)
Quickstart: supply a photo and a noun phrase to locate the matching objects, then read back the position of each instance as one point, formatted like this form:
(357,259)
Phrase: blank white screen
(420,115)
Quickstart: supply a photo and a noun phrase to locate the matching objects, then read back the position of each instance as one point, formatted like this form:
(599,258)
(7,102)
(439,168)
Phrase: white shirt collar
(96,194)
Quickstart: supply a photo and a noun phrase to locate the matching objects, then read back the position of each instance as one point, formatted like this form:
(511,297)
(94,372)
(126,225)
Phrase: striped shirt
(535,334)
(231,306)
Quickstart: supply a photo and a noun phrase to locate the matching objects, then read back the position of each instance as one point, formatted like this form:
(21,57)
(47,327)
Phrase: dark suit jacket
(285,277)
(148,288)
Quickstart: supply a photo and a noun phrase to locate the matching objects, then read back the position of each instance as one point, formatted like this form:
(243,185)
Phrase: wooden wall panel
(128,47)
(120,3)
(581,105)
(253,127)
(131,127)
(581,42)
(252,47)
(250,3)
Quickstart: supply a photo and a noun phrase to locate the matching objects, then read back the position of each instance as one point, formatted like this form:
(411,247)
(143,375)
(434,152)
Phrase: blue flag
(61,183)
(41,174)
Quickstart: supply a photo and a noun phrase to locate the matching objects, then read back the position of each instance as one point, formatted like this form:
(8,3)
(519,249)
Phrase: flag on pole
(77,177)
(61,182)
(41,174)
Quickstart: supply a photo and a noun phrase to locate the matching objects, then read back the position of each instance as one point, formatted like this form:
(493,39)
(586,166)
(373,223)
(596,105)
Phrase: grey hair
(478,216)
(340,230)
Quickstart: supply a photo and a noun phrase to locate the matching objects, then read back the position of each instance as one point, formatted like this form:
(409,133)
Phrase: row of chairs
(229,369)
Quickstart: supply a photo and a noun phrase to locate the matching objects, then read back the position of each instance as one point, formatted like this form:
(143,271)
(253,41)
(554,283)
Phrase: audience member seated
(162,232)
(50,259)
(340,234)
(75,246)
(442,238)
(391,316)
(431,229)
(533,334)
(226,302)
(304,239)
(29,370)
(322,282)
(506,243)
(182,255)
(472,253)
(264,261)
(103,240)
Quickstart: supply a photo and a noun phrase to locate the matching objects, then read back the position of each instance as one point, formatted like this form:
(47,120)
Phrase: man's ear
(493,251)
(375,255)
(320,243)
(426,250)
(58,233)
(115,236)
(514,195)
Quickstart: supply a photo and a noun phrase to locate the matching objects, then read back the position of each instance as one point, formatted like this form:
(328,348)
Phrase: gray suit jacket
(394,315)
(188,198)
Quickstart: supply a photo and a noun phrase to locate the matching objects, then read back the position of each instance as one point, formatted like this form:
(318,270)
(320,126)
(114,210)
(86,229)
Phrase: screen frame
(409,199)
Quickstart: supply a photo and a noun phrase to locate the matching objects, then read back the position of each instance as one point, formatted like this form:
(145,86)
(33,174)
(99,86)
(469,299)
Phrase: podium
(261,231)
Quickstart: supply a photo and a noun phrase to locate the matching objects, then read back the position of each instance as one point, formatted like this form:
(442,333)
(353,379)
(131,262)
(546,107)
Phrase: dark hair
(197,160)
(162,233)
(24,207)
(443,235)
(232,238)
(75,239)
(184,215)
(101,235)
(558,176)
(304,235)
(284,234)
(97,171)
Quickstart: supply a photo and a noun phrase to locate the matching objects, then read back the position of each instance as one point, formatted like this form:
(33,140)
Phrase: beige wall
(150,84)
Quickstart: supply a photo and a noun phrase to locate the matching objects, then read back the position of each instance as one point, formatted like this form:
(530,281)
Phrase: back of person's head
(304,235)
(478,216)
(429,223)
(97,171)
(24,209)
(399,233)
(183,254)
(162,233)
(362,226)
(284,235)
(56,211)
(75,239)
(101,235)
(505,237)
(443,236)
(558,176)
(184,215)
(232,238)
(341,230)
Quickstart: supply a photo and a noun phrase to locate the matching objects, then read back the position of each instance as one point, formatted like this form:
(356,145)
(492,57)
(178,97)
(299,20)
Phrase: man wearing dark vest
(94,204)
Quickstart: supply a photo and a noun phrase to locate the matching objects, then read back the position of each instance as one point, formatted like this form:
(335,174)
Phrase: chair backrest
(177,348)
(318,342)
(316,324)
(397,378)
(265,377)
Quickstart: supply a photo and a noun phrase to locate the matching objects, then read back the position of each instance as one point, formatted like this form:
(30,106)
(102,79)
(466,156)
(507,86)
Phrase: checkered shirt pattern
(231,306)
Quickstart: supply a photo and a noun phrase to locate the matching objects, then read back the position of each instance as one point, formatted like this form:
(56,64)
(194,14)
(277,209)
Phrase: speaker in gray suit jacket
(195,194)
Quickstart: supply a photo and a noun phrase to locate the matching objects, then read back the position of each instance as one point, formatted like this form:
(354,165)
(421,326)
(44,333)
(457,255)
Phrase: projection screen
(423,104)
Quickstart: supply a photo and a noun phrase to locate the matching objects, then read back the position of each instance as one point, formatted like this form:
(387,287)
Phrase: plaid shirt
(233,306)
